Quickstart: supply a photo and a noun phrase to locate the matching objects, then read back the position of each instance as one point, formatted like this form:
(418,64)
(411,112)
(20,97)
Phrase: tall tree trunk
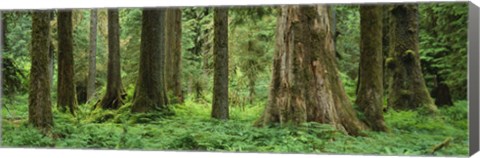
(39,101)
(220,78)
(150,90)
(115,94)
(92,70)
(4,31)
(407,87)
(386,45)
(370,88)
(66,99)
(173,54)
(305,82)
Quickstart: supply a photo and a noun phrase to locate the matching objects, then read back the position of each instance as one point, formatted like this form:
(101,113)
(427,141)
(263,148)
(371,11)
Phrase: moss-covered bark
(407,89)
(150,90)
(220,52)
(173,54)
(115,94)
(39,101)
(305,82)
(66,99)
(3,26)
(370,88)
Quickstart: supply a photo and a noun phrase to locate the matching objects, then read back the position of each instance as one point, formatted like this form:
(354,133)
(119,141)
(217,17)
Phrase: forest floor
(192,129)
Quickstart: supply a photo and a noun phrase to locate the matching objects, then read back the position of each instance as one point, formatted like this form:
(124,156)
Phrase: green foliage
(15,65)
(347,43)
(443,39)
(22,134)
(130,35)
(192,129)
(251,47)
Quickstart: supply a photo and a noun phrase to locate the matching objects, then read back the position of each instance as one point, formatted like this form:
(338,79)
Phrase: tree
(115,94)
(220,78)
(39,101)
(305,82)
(66,99)
(370,79)
(150,93)
(92,55)
(3,45)
(407,89)
(173,54)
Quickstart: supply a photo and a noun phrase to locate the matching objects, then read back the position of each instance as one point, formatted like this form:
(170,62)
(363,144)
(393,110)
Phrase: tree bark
(370,88)
(173,54)
(306,86)
(220,52)
(441,92)
(66,99)
(4,31)
(386,45)
(115,94)
(407,89)
(92,55)
(150,90)
(39,101)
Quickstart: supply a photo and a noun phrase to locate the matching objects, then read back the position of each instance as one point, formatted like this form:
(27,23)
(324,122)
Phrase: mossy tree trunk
(173,54)
(386,45)
(306,86)
(150,90)
(370,88)
(92,55)
(4,31)
(220,52)
(66,99)
(115,94)
(39,99)
(407,89)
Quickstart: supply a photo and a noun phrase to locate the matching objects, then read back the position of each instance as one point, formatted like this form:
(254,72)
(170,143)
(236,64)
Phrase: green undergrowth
(192,129)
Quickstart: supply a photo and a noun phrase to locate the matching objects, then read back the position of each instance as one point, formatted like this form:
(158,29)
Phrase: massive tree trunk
(173,54)
(92,55)
(370,88)
(66,99)
(305,84)
(220,52)
(150,90)
(407,89)
(39,101)
(386,45)
(115,94)
(4,31)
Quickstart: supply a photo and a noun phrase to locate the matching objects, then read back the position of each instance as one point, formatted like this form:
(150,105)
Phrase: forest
(387,79)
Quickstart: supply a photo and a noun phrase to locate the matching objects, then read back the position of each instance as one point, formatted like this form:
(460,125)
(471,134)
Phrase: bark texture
(66,99)
(92,54)
(370,88)
(173,54)
(220,52)
(150,90)
(407,89)
(305,85)
(39,99)
(115,94)
(3,26)
(441,93)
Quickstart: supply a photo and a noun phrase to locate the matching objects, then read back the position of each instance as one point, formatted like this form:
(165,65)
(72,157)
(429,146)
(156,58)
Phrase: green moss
(390,63)
(408,56)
